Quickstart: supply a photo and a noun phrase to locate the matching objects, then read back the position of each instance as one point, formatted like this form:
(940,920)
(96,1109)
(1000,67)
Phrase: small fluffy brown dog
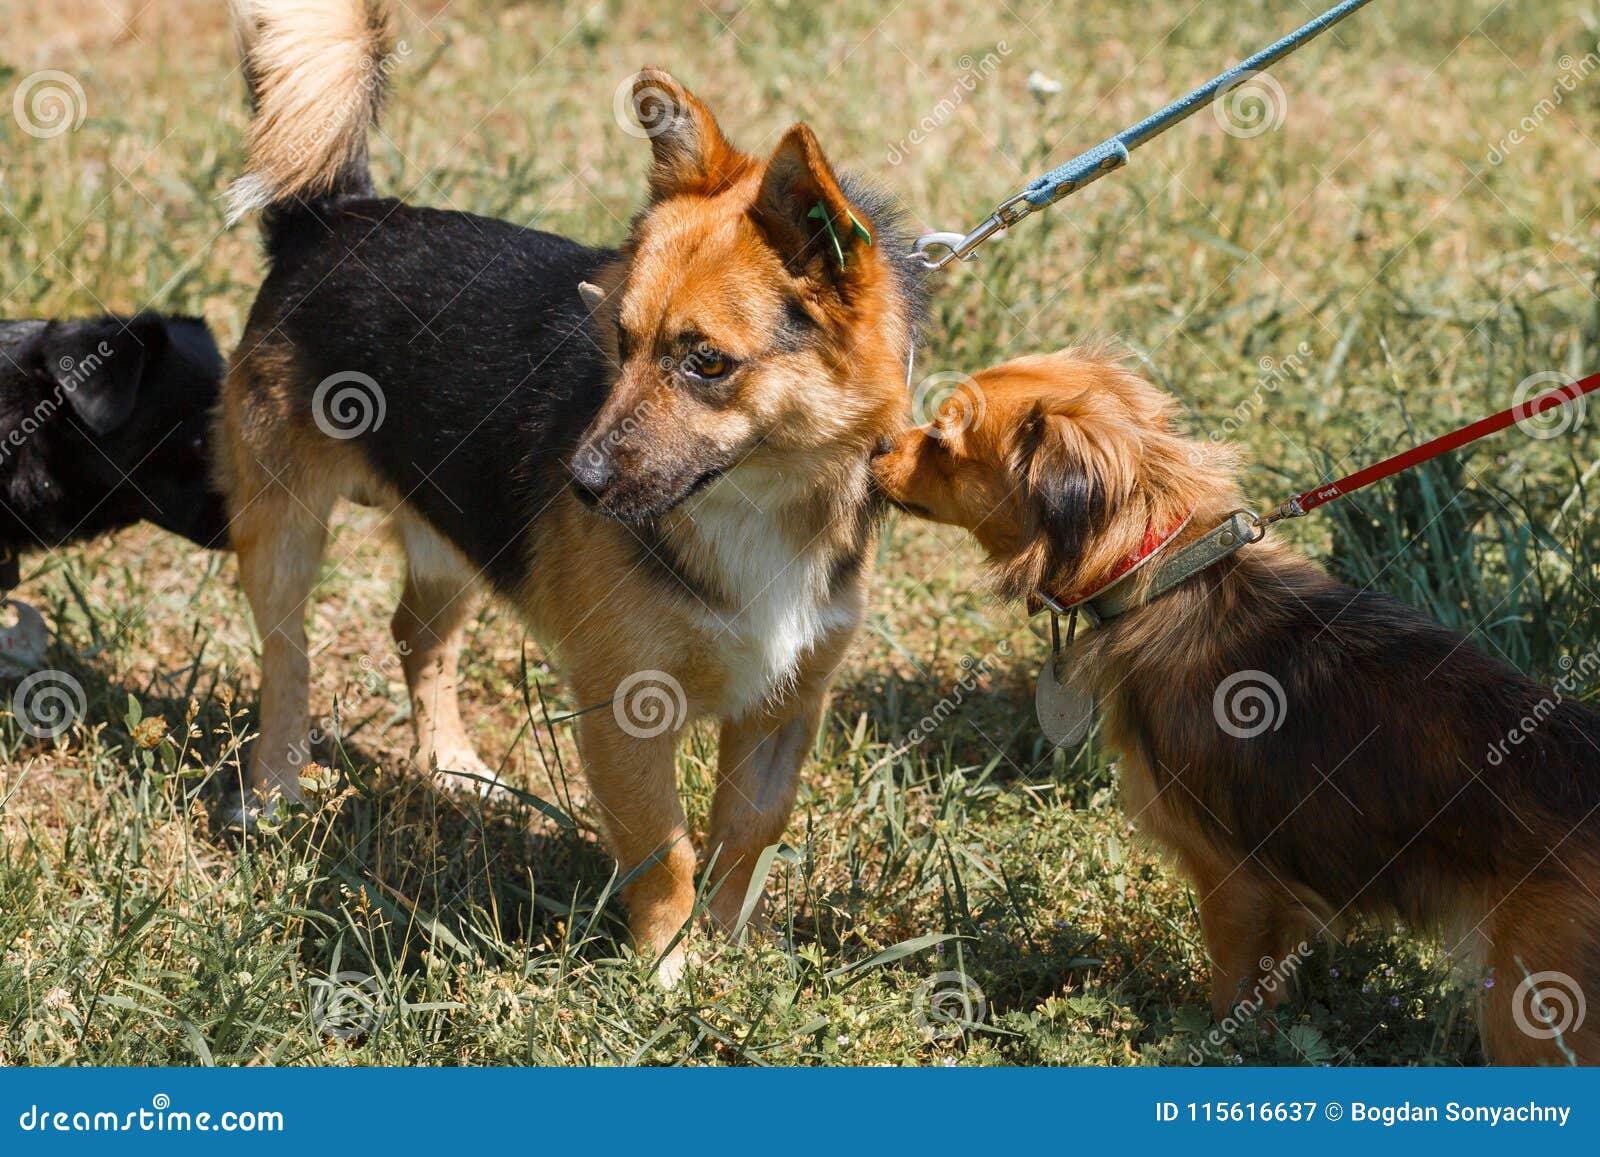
(1389,768)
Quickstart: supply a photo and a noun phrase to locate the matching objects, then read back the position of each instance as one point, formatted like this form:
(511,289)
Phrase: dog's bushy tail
(317,71)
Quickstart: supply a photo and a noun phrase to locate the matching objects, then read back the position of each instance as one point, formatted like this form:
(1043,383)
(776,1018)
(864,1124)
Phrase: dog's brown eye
(709,365)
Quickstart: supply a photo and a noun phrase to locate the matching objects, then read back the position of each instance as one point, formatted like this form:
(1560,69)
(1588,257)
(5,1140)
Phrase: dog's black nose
(883,446)
(591,475)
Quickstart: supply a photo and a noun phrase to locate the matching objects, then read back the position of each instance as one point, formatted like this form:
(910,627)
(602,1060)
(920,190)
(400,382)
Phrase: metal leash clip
(962,246)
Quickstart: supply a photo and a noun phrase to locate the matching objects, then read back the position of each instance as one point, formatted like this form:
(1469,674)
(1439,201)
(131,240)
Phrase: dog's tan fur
(1373,795)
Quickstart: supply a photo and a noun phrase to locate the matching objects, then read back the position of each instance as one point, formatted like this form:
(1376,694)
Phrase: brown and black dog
(668,478)
(1378,764)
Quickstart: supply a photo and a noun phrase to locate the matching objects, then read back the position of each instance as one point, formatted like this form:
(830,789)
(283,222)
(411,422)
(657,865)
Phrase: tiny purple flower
(1394,1002)
(1334,972)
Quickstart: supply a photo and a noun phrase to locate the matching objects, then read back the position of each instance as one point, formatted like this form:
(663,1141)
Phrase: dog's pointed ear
(591,295)
(804,214)
(690,154)
(99,366)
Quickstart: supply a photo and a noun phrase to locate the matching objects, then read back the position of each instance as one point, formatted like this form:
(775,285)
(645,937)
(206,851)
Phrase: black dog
(102,423)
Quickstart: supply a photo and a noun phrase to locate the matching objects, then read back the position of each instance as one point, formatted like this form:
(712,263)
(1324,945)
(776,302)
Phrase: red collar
(1154,542)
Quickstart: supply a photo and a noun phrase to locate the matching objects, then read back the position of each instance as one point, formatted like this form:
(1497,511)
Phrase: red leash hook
(1328,491)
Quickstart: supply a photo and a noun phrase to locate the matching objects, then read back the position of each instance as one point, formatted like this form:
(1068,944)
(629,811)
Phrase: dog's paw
(463,772)
(673,965)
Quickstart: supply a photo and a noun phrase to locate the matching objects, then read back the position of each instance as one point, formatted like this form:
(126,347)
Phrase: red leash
(1328,491)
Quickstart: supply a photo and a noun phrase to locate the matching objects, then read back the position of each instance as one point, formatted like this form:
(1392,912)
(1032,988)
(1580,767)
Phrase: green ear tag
(821,213)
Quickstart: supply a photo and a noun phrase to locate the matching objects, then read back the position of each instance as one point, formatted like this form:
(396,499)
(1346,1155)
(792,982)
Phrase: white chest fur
(776,574)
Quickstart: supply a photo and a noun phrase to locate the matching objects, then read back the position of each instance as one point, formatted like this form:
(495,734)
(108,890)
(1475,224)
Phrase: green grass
(1399,282)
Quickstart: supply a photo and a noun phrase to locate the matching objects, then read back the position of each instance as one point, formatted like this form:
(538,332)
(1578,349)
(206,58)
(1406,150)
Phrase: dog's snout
(592,474)
(883,446)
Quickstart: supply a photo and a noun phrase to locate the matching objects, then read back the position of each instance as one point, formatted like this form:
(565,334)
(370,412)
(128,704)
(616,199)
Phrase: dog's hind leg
(428,626)
(279,534)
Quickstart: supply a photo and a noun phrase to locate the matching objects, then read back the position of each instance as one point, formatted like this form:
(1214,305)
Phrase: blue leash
(1110,155)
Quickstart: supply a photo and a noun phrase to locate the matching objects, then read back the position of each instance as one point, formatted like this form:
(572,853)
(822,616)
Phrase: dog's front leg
(635,784)
(1245,922)
(759,758)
